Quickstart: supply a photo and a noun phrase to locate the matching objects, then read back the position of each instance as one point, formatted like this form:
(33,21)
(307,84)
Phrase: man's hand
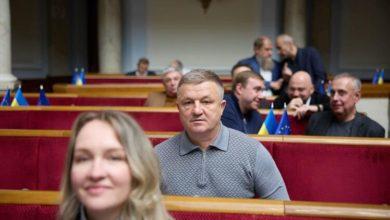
(302,110)
(295,103)
(286,71)
(276,85)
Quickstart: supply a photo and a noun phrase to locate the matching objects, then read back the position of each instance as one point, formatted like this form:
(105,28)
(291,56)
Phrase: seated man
(243,102)
(262,63)
(209,159)
(238,68)
(343,119)
(301,97)
(142,69)
(170,80)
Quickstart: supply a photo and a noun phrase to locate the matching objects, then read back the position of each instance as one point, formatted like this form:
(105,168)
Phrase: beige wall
(215,40)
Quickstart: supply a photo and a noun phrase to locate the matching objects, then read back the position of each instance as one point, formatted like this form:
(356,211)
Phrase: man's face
(143,67)
(250,95)
(200,108)
(343,97)
(300,87)
(265,52)
(284,48)
(170,82)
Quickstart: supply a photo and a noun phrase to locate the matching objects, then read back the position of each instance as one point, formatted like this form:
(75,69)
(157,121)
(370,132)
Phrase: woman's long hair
(145,200)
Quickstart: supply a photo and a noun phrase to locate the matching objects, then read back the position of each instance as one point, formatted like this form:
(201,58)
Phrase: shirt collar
(221,142)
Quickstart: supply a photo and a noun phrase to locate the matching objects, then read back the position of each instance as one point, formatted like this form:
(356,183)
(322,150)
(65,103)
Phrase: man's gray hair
(198,76)
(357,84)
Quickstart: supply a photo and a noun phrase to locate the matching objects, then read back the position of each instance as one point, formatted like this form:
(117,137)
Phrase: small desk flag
(19,99)
(284,127)
(6,99)
(269,124)
(42,97)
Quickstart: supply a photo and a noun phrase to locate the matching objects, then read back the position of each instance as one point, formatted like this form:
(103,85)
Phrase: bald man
(301,96)
(262,63)
(295,59)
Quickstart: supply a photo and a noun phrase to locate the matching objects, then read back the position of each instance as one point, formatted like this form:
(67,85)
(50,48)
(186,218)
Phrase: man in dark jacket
(295,59)
(301,97)
(343,119)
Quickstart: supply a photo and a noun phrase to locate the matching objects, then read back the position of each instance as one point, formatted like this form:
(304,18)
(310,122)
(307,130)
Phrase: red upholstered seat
(330,173)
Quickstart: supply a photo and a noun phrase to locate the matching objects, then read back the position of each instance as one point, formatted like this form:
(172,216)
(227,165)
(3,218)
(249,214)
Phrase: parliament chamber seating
(103,78)
(62,117)
(58,99)
(19,204)
(314,168)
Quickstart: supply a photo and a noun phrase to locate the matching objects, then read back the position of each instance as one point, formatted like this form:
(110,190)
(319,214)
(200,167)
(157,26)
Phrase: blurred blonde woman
(111,171)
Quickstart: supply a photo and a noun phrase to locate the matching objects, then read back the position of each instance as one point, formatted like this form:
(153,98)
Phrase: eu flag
(19,99)
(42,97)
(284,127)
(6,99)
(269,124)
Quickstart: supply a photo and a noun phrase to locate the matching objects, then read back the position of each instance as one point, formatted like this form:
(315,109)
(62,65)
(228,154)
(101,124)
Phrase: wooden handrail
(226,205)
(353,141)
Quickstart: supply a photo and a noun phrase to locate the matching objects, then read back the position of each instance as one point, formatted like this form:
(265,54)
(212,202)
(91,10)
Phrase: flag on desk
(19,99)
(381,77)
(78,78)
(284,127)
(42,97)
(321,89)
(269,125)
(6,99)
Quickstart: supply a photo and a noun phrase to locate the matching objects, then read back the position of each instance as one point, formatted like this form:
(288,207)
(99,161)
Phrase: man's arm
(269,183)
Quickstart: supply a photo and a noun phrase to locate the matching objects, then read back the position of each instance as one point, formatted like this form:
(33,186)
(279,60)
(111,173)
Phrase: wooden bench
(101,78)
(314,168)
(62,117)
(68,99)
(16,204)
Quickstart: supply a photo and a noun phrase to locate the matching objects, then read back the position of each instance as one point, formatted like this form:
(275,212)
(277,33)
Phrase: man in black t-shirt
(343,119)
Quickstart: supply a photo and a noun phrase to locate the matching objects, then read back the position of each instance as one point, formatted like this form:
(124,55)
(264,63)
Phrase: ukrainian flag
(6,99)
(269,125)
(19,99)
(381,77)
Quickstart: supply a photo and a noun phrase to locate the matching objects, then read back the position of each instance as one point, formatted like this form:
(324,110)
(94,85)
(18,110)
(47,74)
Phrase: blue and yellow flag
(381,77)
(376,77)
(42,97)
(284,127)
(6,99)
(269,124)
(78,78)
(19,99)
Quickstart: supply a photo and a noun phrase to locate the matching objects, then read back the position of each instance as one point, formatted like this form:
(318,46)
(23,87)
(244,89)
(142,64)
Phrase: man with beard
(343,119)
(170,80)
(295,59)
(262,63)
(241,111)
(208,159)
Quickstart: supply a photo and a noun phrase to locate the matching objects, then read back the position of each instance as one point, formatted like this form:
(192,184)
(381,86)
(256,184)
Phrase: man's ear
(223,104)
(357,96)
(239,88)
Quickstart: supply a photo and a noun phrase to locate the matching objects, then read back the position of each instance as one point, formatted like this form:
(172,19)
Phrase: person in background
(177,64)
(238,68)
(300,59)
(209,159)
(242,104)
(343,119)
(142,68)
(170,80)
(262,63)
(111,171)
(301,97)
